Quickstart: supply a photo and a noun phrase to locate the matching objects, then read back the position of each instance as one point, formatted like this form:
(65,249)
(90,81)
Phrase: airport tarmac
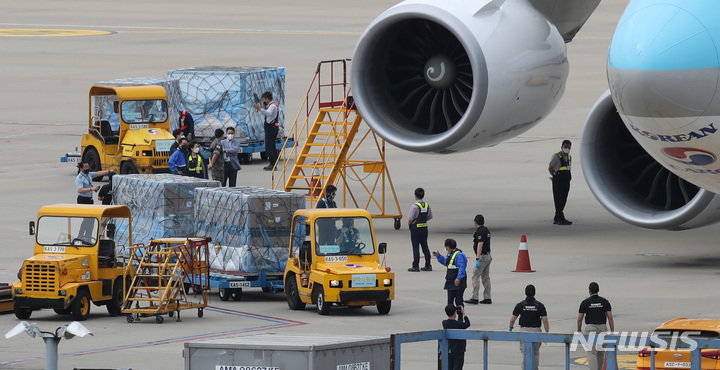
(648,276)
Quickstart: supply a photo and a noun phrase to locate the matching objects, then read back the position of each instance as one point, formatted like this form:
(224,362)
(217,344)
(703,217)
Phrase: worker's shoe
(486,301)
(564,222)
(268,168)
(414,269)
(429,268)
(472,301)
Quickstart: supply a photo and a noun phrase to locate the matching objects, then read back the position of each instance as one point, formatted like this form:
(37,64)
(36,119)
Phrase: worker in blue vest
(420,213)
(560,171)
(455,277)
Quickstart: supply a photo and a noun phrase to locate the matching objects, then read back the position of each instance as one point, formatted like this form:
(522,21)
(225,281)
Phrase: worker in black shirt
(481,246)
(532,314)
(456,347)
(597,311)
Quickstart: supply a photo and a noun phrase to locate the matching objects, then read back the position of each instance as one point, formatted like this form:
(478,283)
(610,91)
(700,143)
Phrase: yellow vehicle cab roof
(333,212)
(691,324)
(130,92)
(85,210)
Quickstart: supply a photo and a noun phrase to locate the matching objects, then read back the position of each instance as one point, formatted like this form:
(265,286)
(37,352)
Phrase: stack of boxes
(221,97)
(249,226)
(161,205)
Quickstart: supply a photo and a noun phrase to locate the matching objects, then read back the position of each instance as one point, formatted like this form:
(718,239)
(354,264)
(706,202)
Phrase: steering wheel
(360,246)
(82,241)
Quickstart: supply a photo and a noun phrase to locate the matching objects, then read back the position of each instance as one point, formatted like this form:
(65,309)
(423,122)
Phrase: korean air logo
(154,131)
(691,156)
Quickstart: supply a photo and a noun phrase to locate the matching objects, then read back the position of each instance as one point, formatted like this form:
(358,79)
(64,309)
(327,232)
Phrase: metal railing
(610,342)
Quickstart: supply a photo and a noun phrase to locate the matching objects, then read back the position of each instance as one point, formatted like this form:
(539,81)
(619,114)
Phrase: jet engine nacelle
(450,76)
(631,184)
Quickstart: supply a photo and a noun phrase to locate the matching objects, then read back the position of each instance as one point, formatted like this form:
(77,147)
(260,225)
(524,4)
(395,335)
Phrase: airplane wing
(567,15)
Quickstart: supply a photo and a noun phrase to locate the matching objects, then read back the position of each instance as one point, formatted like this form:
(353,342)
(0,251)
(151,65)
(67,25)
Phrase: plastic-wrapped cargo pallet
(220,97)
(172,87)
(249,227)
(161,205)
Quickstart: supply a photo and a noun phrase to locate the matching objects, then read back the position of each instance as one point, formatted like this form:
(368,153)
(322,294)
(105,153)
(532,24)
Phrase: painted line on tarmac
(50,32)
(276,324)
(83,30)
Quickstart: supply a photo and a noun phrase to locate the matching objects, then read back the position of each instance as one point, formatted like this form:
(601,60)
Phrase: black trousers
(271,132)
(456,361)
(84,200)
(418,238)
(561,189)
(230,175)
(455,297)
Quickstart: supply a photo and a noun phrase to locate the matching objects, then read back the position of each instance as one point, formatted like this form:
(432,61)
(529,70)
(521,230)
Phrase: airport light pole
(67,331)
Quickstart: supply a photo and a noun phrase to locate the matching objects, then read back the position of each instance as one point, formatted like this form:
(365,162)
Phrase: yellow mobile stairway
(331,149)
(159,275)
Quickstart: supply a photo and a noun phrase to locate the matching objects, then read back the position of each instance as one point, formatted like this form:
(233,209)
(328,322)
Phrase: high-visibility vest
(451,264)
(182,121)
(567,165)
(276,120)
(421,220)
(199,163)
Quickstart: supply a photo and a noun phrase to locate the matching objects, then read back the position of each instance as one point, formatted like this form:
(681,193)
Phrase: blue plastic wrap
(221,97)
(249,227)
(161,205)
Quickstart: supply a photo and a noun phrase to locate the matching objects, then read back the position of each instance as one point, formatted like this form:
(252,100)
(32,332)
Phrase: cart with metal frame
(159,273)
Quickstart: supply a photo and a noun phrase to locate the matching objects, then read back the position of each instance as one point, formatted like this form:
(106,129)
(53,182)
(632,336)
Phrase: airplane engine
(452,76)
(631,184)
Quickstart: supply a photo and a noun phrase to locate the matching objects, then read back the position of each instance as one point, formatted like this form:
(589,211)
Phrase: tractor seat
(107,133)
(106,251)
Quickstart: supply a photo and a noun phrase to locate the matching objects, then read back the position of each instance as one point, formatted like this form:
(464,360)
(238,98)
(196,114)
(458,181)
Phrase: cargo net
(103,105)
(222,97)
(162,205)
(249,227)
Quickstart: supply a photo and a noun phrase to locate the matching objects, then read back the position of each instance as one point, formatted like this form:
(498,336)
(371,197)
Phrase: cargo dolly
(231,284)
(157,273)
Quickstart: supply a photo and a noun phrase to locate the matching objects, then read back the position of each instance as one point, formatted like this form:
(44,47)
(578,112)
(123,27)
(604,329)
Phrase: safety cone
(605,363)
(523,260)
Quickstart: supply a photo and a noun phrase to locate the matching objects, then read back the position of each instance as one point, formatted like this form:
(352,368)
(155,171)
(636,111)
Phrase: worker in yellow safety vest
(560,171)
(420,213)
(195,161)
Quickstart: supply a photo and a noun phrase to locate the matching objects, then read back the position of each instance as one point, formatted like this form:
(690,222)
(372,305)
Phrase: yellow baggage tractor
(6,300)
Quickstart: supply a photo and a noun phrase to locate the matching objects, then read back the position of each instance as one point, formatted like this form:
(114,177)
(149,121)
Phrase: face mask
(330,197)
(230,136)
(566,150)
(184,147)
(86,171)
(196,150)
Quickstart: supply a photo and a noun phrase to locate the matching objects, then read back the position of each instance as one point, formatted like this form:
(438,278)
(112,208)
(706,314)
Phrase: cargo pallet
(158,273)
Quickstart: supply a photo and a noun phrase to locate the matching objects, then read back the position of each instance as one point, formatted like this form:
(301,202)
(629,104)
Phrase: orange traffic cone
(523,260)
(605,363)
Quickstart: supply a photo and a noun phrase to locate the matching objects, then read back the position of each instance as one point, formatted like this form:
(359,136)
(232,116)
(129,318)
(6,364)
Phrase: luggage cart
(158,273)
